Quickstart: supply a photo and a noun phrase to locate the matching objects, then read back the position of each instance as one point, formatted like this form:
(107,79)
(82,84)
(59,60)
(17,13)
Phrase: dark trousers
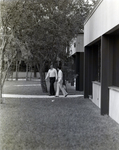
(52,81)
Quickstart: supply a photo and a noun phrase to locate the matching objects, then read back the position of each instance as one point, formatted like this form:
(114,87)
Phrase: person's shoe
(56,96)
(66,95)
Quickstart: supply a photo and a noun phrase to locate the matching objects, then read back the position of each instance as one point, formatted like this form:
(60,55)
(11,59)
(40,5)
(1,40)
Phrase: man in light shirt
(60,83)
(52,75)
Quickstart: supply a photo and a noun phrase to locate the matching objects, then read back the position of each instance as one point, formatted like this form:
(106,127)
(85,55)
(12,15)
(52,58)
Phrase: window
(74,44)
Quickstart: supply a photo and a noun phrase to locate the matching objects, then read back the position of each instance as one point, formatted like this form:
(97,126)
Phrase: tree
(45,28)
(7,58)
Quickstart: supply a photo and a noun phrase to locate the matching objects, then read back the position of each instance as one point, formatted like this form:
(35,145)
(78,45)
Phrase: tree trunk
(1,101)
(42,77)
(1,71)
(35,71)
(17,69)
(31,73)
(27,72)
(43,83)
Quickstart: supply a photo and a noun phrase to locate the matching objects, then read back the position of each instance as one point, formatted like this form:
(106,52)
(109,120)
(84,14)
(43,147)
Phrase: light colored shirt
(51,73)
(60,76)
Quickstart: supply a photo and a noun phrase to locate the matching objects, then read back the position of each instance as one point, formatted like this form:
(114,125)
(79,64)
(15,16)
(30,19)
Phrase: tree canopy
(42,28)
(45,27)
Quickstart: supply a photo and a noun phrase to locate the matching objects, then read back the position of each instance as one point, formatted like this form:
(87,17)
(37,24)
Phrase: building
(101,44)
(77,52)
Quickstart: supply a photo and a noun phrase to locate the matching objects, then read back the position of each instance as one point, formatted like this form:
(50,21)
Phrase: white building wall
(23,75)
(114,103)
(72,48)
(103,18)
(96,99)
(79,43)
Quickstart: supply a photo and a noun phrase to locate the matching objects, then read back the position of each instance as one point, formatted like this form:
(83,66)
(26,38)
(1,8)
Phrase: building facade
(101,44)
(77,52)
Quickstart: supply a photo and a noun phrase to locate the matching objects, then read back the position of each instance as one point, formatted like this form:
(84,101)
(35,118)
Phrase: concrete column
(90,68)
(87,72)
(106,72)
(81,72)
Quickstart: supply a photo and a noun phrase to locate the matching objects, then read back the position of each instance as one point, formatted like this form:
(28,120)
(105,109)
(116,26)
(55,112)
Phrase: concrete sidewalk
(32,88)
(55,124)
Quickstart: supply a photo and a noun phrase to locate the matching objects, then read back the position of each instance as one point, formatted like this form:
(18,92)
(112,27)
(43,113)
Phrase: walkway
(72,123)
(32,88)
